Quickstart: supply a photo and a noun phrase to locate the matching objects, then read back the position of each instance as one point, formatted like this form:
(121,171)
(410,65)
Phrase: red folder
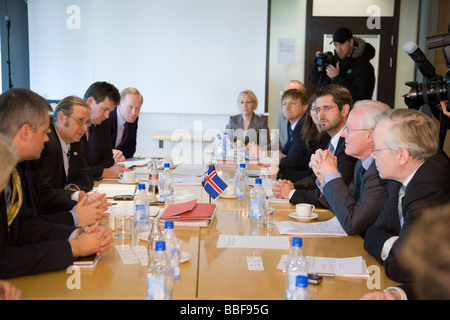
(190,213)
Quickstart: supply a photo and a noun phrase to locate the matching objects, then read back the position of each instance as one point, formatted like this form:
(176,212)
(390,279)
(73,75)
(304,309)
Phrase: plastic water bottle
(159,274)
(226,145)
(153,178)
(239,153)
(173,248)
(166,184)
(257,201)
(154,236)
(141,209)
(241,182)
(301,289)
(218,143)
(296,265)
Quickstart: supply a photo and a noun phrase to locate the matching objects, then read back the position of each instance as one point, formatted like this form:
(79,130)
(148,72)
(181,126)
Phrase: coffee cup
(128,176)
(304,209)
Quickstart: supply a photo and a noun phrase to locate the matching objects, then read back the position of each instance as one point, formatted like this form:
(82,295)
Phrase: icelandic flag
(212,183)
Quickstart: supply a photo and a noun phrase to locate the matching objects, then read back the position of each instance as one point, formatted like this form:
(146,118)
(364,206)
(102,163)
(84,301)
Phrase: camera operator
(350,68)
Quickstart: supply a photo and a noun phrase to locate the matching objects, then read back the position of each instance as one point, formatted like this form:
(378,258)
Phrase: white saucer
(185,256)
(227,196)
(130,182)
(313,216)
(143,236)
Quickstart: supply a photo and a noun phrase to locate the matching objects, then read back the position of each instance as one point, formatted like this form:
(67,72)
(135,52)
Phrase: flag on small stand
(212,183)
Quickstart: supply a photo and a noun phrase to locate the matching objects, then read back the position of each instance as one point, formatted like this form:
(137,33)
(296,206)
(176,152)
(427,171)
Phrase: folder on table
(190,213)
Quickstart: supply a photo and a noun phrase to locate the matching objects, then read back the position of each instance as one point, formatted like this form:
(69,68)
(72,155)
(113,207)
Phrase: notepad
(190,213)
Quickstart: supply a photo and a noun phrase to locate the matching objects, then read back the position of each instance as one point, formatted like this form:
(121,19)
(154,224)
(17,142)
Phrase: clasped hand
(323,163)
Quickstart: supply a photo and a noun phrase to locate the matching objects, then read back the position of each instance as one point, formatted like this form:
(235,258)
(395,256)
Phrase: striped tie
(16,199)
(401,193)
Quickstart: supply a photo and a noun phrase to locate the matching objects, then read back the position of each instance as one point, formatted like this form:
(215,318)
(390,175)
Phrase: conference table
(212,272)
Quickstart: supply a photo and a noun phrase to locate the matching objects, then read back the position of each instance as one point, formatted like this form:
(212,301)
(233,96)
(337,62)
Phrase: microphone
(424,66)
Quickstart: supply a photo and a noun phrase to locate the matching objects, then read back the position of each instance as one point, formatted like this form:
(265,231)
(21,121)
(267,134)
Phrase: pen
(328,275)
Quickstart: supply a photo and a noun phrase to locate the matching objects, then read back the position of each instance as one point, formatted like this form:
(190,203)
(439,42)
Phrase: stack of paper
(331,227)
(257,242)
(354,267)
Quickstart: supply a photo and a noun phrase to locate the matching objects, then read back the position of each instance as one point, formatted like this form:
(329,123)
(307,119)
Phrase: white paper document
(330,227)
(112,190)
(256,242)
(354,267)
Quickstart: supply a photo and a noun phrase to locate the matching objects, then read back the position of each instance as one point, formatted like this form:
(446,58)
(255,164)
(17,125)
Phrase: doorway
(319,33)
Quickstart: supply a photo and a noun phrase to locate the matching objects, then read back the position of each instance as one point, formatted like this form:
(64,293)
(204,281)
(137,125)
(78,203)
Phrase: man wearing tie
(124,124)
(62,163)
(333,104)
(406,149)
(101,97)
(29,245)
(356,206)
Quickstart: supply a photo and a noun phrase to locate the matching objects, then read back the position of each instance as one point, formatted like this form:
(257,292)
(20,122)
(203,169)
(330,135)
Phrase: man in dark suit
(29,245)
(294,155)
(356,206)
(102,97)
(124,124)
(62,163)
(406,150)
(333,104)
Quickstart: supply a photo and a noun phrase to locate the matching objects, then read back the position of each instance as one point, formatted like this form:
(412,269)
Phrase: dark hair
(309,133)
(296,94)
(341,95)
(100,90)
(19,106)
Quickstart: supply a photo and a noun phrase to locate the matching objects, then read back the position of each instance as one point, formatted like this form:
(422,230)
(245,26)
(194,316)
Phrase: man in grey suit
(358,205)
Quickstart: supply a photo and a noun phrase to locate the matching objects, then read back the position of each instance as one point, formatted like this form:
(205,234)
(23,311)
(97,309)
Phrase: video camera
(436,88)
(324,59)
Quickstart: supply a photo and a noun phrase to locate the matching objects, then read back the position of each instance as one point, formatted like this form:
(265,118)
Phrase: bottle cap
(141,186)
(242,165)
(168,225)
(297,242)
(166,165)
(160,245)
(301,281)
(258,181)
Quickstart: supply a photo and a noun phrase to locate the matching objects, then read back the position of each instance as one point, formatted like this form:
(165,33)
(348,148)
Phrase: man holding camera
(349,67)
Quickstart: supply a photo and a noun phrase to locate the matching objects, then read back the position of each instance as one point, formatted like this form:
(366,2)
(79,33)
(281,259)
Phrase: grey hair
(411,130)
(373,109)
(20,106)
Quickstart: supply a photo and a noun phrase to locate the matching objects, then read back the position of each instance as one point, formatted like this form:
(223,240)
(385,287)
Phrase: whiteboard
(184,56)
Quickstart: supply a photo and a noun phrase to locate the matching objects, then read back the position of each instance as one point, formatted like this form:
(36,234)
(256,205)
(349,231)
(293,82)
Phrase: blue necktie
(331,148)
(92,142)
(290,132)
(359,176)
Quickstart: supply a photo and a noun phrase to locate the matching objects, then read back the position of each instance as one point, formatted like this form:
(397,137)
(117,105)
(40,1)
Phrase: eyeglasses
(326,109)
(349,131)
(80,121)
(376,151)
